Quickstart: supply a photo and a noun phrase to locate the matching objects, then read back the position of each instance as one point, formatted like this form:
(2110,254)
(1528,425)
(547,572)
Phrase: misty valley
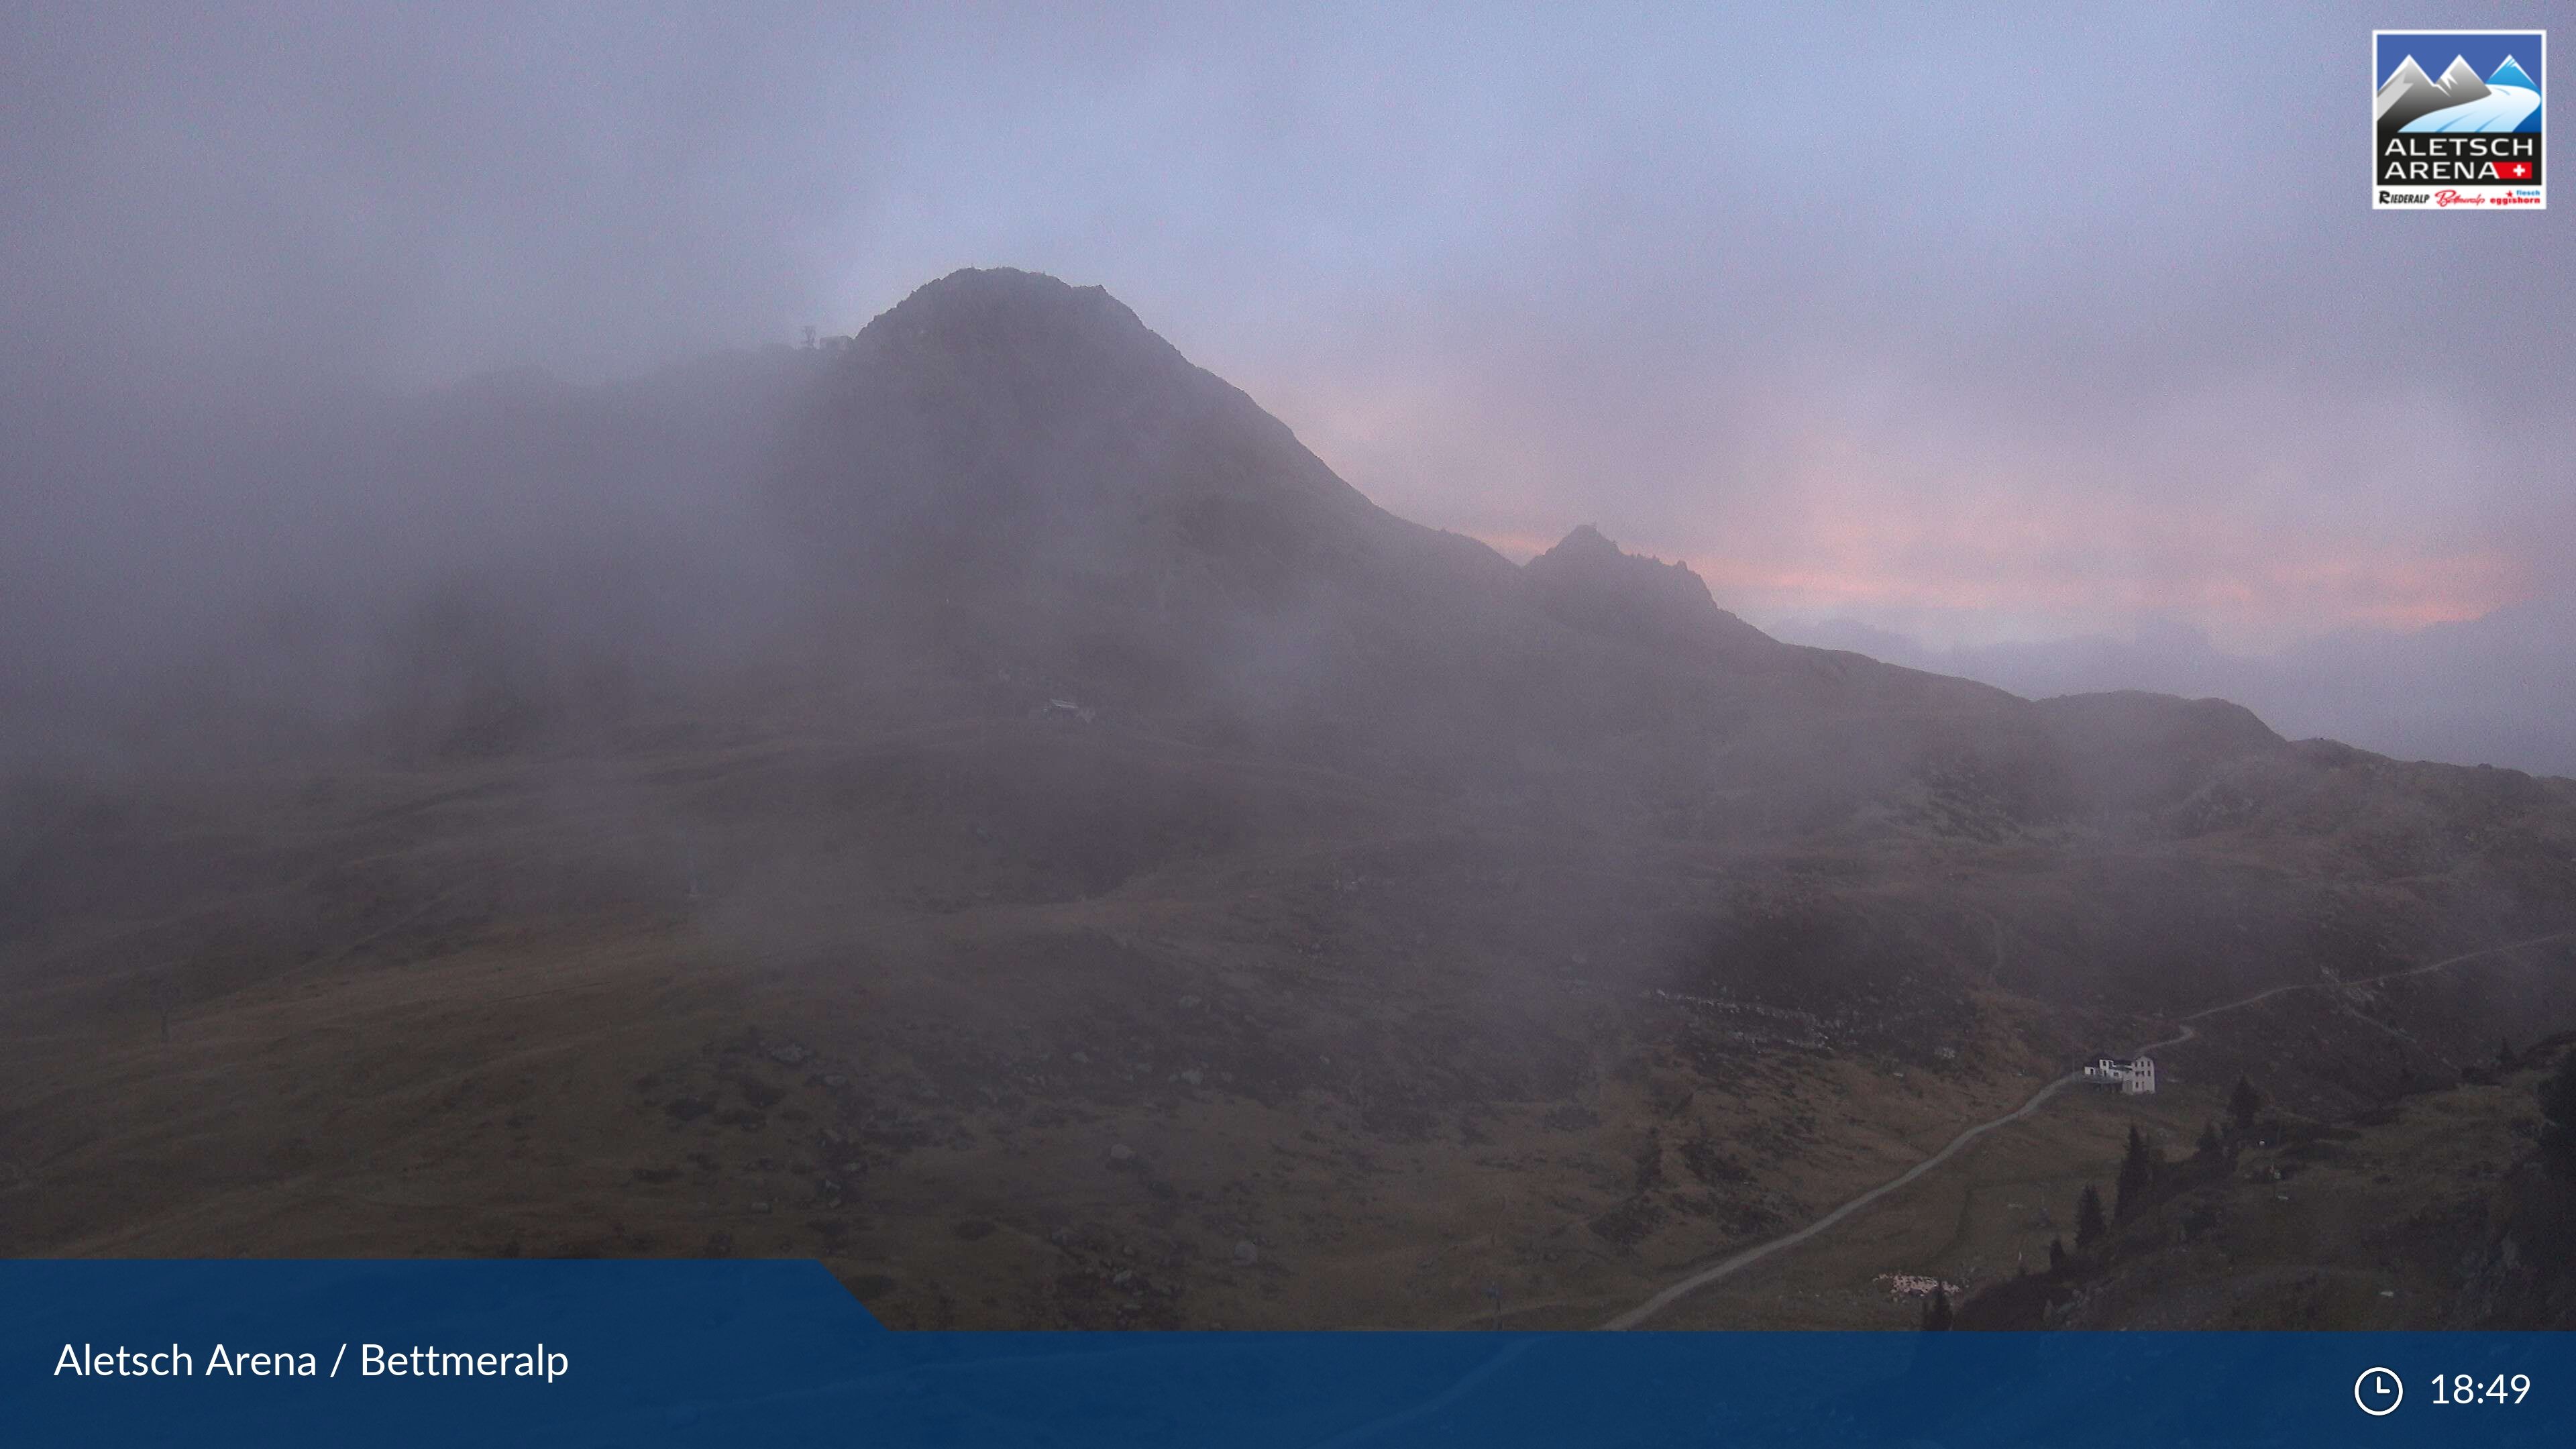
(979,803)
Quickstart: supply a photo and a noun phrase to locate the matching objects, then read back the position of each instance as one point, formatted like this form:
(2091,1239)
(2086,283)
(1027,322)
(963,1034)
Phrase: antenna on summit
(810,330)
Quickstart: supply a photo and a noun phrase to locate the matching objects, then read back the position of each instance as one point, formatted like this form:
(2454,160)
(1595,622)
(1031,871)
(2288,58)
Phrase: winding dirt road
(1729,1266)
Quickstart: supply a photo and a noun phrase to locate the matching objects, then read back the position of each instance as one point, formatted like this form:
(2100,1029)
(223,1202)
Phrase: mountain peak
(1591,583)
(1004,308)
(987,286)
(2461,82)
(1584,541)
(2410,95)
(2511,74)
(1004,436)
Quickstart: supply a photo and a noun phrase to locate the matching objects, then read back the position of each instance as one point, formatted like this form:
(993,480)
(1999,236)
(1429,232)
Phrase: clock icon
(2378,1392)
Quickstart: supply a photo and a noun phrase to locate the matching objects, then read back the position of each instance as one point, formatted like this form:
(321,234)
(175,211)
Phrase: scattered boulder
(1245,1254)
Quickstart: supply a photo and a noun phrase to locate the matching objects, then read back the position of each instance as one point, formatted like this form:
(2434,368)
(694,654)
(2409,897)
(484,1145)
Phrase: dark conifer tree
(2089,1225)
(1936,1314)
(2244,1105)
(2137,1176)
(2056,1255)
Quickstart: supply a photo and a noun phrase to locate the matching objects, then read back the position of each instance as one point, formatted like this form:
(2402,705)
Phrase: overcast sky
(1979,323)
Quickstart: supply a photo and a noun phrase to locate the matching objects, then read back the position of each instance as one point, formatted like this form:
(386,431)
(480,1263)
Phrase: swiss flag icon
(2513,170)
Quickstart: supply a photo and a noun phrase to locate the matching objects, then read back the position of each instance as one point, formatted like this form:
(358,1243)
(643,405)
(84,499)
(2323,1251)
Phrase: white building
(2135,1078)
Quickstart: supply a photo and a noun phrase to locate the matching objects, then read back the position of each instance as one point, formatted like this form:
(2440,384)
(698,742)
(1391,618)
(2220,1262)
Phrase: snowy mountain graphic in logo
(2411,101)
(2467,135)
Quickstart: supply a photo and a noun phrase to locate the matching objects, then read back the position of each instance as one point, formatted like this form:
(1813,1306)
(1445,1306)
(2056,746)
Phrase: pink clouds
(1915,500)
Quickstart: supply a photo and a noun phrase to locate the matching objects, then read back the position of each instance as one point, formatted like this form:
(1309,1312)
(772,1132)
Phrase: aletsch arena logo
(2466,137)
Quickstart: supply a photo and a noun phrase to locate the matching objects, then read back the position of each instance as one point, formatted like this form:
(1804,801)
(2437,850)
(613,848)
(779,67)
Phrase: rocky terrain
(1063,857)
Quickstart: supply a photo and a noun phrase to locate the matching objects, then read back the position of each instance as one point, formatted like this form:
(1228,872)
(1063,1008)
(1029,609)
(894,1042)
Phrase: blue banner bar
(654,1353)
